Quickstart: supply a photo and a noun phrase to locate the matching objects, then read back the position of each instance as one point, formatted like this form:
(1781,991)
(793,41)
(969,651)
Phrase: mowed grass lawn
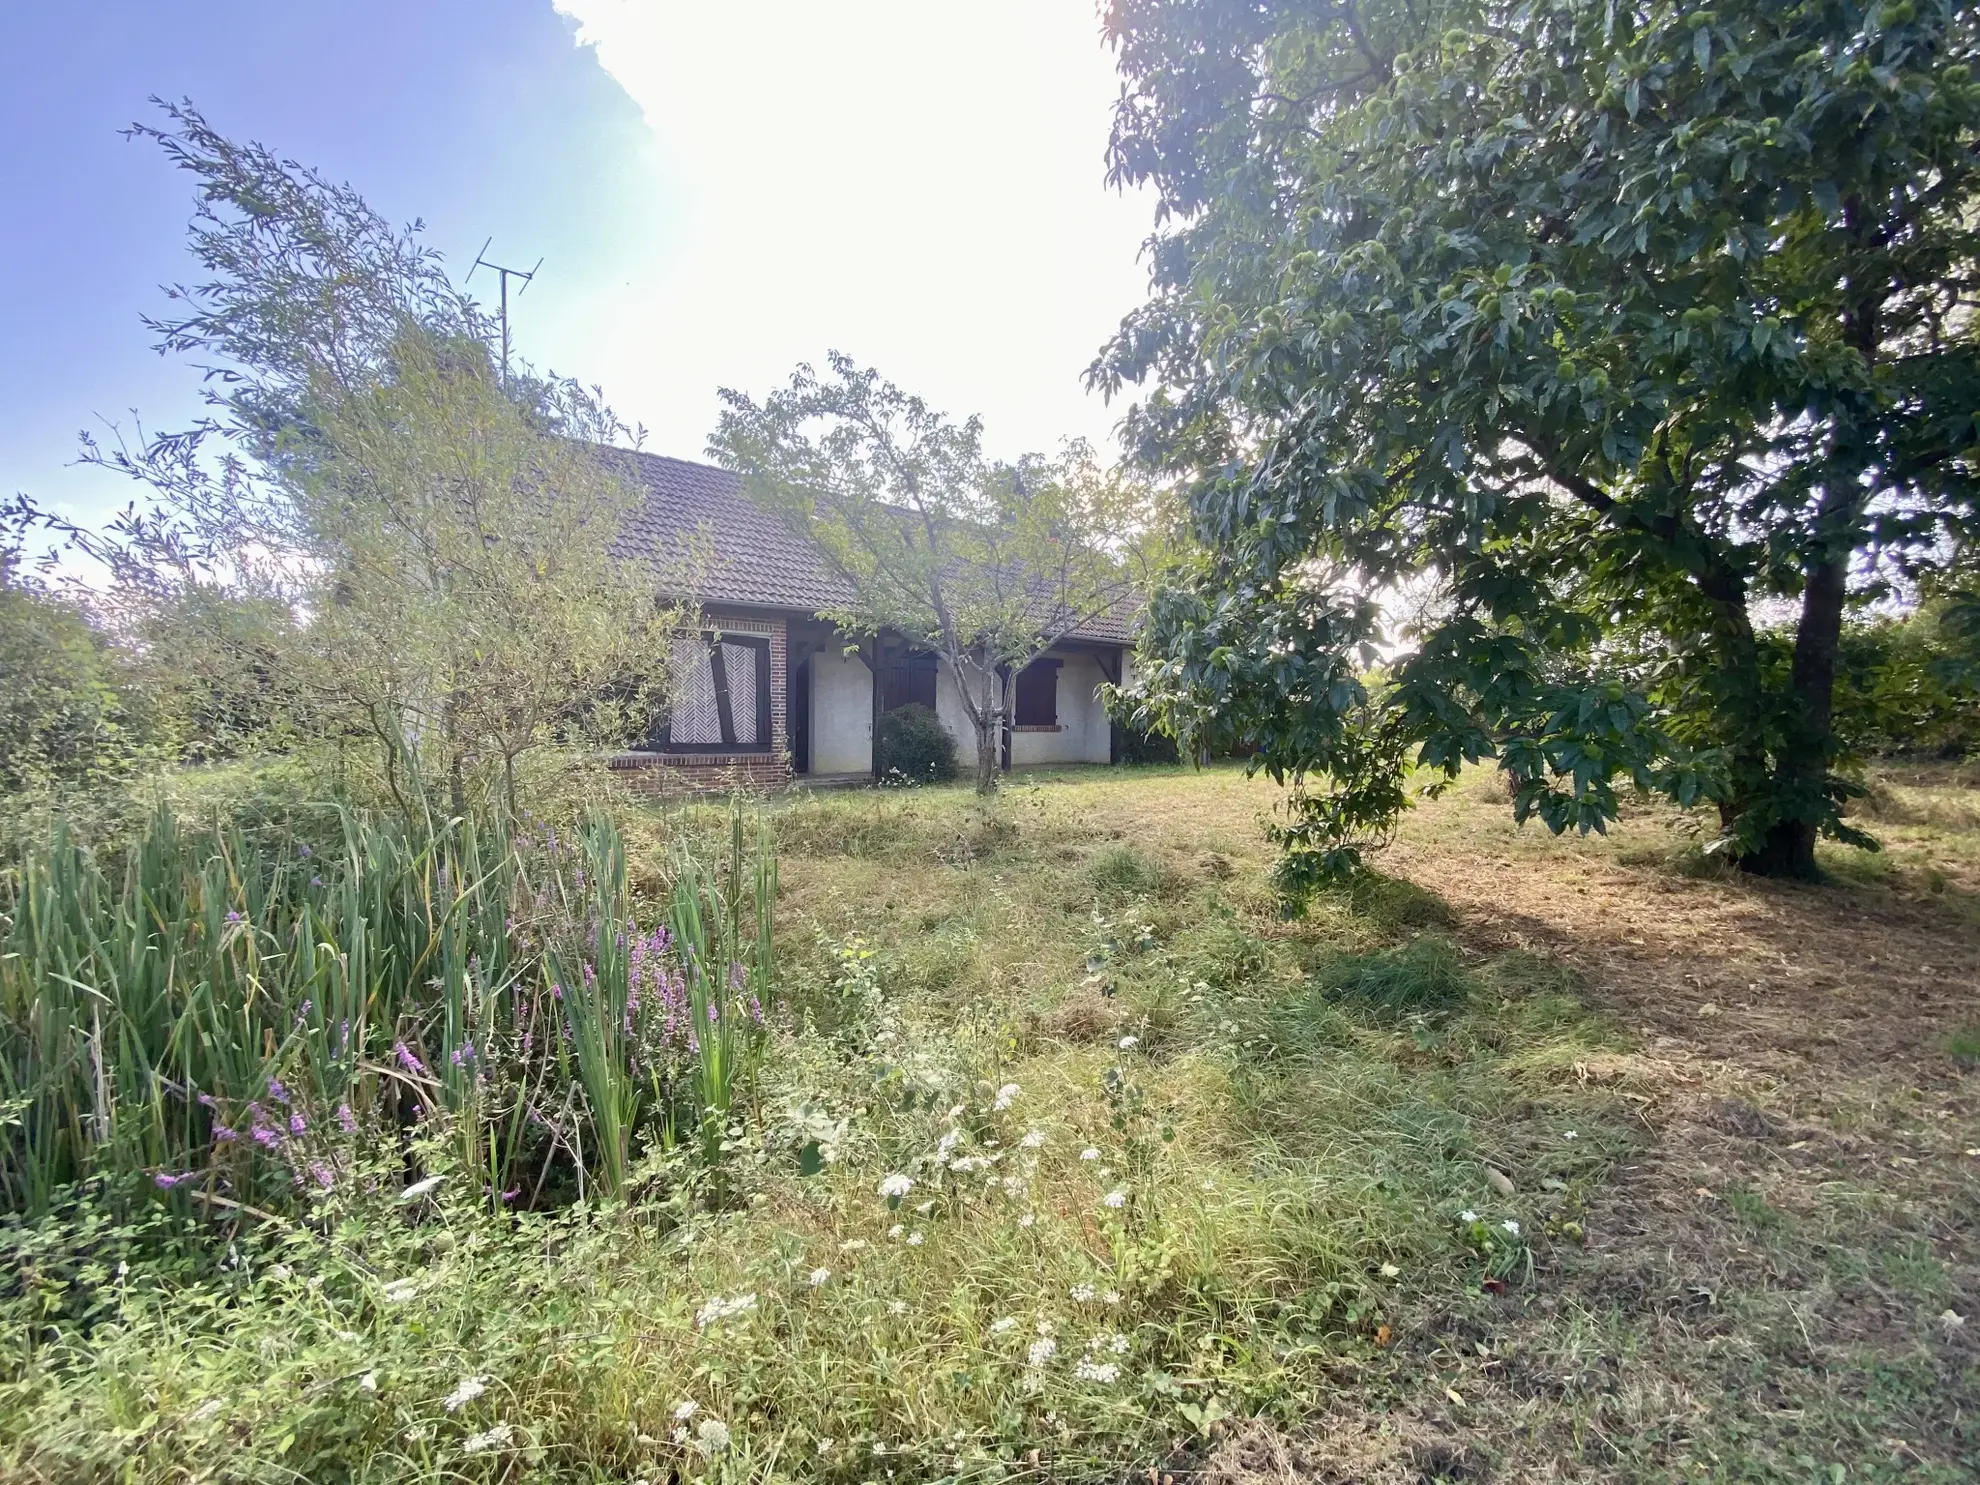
(1526,1159)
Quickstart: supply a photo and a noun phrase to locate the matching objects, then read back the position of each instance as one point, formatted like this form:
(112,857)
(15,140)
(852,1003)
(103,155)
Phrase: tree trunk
(1789,847)
(986,755)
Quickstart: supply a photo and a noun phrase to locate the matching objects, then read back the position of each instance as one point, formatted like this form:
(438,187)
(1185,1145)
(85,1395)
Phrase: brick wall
(671,774)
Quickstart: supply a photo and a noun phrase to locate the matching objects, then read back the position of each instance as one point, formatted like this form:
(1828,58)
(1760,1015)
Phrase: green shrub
(913,747)
(1131,744)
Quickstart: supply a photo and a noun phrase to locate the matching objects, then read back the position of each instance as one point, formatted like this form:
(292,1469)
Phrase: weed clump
(1122,871)
(1426,974)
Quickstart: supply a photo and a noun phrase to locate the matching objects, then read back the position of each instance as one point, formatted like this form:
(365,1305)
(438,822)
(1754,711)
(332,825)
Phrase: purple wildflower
(346,1118)
(267,1138)
(224,1135)
(406,1059)
(206,1101)
(714,1011)
(512,1193)
(756,1010)
(316,881)
(296,1125)
(233,915)
(165,1180)
(322,1172)
(463,1053)
(556,991)
(276,1091)
(303,851)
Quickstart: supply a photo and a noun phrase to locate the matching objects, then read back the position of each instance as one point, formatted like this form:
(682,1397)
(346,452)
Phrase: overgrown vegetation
(233,1024)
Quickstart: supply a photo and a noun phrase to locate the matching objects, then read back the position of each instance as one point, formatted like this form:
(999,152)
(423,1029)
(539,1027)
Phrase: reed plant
(232,1021)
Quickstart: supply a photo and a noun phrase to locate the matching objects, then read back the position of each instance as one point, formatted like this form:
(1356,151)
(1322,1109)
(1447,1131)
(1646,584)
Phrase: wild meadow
(1012,1148)
(1044,1147)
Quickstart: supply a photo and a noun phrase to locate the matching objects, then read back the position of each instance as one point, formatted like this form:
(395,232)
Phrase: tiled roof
(695,520)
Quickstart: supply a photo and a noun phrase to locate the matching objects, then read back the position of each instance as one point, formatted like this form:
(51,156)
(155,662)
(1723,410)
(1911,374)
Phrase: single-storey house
(770,689)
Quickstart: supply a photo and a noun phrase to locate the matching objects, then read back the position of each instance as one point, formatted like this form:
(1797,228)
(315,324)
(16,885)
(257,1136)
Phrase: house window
(907,680)
(1038,694)
(721,695)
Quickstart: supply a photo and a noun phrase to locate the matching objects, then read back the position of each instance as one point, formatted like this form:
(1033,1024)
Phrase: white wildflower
(1129,1043)
(419,1188)
(896,1230)
(1510,1226)
(1118,1344)
(719,1309)
(1042,1350)
(1082,1294)
(956,1112)
(1089,1153)
(1111,1297)
(474,1443)
(945,1144)
(680,1435)
(400,1290)
(1467,1215)
(852,1245)
(897,1307)
(925,1208)
(280,1271)
(1002,1324)
(1033,1139)
(896,1186)
(1046,1327)
(914,1240)
(965,1165)
(466,1392)
(1390,1271)
(712,1437)
(1569,1135)
(1116,1199)
(1104,1372)
(819,1276)
(1006,1096)
(825,1445)
(1027,1220)
(685,1409)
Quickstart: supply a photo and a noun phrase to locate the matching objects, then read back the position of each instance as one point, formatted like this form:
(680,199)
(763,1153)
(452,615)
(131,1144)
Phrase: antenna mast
(504,274)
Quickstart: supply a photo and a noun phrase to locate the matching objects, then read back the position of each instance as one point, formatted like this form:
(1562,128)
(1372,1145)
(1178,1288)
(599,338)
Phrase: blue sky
(717,190)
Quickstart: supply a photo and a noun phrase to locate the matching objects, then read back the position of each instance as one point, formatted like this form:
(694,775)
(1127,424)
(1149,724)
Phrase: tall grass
(230,1022)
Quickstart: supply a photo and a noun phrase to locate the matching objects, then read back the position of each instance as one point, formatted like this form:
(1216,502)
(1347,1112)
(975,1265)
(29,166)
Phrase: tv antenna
(504,274)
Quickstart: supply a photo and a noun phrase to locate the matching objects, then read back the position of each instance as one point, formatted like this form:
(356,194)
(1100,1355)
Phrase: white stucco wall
(949,707)
(842,716)
(1083,731)
(841,713)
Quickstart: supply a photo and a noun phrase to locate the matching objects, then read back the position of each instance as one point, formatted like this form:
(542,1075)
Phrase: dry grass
(1770,1279)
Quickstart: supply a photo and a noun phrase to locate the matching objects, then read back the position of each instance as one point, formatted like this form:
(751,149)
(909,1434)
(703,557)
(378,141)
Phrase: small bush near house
(915,747)
(1133,744)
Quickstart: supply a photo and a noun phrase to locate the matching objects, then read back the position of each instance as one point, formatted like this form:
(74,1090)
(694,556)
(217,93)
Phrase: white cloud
(917,182)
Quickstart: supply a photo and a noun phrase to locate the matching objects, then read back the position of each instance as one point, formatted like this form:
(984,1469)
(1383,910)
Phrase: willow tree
(1623,328)
(988,565)
(442,530)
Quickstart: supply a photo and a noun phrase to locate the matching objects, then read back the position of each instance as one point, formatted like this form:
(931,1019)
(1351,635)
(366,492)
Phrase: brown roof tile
(695,520)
